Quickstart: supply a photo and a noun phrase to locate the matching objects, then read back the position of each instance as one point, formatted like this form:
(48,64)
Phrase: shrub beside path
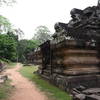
(24,89)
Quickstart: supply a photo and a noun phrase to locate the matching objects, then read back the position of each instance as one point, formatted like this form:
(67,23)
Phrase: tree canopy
(7,47)
(7,2)
(8,40)
(12,48)
(25,47)
(5,25)
(42,34)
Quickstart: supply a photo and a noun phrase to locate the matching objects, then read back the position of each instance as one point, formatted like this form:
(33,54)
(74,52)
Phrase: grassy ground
(11,65)
(44,85)
(5,90)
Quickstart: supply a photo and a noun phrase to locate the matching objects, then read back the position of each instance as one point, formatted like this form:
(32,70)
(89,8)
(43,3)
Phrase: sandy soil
(24,89)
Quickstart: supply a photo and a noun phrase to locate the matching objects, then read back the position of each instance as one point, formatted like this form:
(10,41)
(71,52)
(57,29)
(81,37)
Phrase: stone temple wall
(69,64)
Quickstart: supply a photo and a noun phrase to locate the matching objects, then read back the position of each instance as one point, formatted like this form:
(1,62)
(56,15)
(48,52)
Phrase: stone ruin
(3,78)
(1,66)
(71,60)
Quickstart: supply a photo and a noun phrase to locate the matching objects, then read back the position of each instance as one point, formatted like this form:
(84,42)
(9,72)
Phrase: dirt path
(25,90)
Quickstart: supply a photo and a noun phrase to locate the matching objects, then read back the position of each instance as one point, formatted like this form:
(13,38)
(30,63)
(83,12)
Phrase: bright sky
(28,14)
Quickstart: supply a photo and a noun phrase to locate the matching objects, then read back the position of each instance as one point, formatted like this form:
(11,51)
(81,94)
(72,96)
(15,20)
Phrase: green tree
(25,47)
(7,47)
(5,25)
(18,32)
(13,36)
(42,34)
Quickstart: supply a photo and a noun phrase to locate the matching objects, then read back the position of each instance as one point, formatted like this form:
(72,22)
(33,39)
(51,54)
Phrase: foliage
(7,2)
(5,60)
(42,34)
(13,36)
(9,40)
(11,65)
(18,32)
(52,91)
(5,89)
(25,47)
(7,47)
(5,25)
